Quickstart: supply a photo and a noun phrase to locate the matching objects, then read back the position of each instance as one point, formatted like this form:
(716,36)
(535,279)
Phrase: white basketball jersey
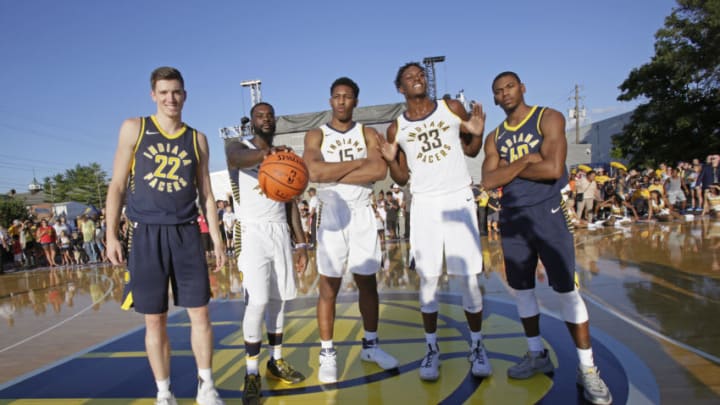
(434,153)
(338,146)
(251,204)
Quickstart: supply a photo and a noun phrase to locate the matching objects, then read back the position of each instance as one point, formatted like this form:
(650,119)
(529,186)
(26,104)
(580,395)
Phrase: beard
(266,134)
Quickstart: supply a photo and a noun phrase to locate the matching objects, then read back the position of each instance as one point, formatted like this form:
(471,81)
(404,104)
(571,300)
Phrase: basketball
(283,176)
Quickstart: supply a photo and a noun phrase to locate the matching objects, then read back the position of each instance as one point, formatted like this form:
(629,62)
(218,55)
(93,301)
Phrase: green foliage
(12,208)
(681,83)
(84,184)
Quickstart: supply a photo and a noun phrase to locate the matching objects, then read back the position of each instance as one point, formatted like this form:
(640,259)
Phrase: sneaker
(251,392)
(430,364)
(165,399)
(281,370)
(328,366)
(207,394)
(594,388)
(478,358)
(372,352)
(530,365)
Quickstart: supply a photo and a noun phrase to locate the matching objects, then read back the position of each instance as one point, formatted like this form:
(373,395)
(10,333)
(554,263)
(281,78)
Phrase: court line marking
(600,303)
(64,321)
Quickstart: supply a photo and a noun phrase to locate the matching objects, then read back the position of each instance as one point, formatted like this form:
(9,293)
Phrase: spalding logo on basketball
(283,176)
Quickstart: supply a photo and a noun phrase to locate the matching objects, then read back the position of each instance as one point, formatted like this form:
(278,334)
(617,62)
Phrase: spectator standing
(46,236)
(87,229)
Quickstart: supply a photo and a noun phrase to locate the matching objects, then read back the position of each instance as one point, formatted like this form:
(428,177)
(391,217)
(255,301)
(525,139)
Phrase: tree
(12,208)
(85,184)
(681,83)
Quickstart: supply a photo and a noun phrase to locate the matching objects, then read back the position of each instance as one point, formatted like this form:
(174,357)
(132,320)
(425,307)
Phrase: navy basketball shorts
(161,256)
(540,231)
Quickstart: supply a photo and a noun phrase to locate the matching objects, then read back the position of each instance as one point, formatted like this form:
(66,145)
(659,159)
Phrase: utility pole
(577,114)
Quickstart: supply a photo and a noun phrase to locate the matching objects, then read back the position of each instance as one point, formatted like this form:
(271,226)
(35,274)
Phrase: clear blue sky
(72,71)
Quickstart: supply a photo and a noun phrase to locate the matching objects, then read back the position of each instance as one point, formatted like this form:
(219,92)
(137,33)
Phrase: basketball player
(263,246)
(526,156)
(431,140)
(161,165)
(342,156)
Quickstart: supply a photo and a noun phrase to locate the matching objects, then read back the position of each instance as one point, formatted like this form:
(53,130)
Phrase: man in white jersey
(430,140)
(343,157)
(263,245)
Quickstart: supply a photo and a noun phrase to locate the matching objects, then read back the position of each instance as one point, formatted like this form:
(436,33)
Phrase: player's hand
(387,150)
(114,251)
(280,148)
(220,257)
(533,158)
(476,124)
(301,260)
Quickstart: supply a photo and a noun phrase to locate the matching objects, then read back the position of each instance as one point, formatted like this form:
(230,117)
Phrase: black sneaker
(283,371)
(251,392)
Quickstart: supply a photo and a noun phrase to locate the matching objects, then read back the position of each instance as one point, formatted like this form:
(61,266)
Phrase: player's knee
(472,296)
(573,307)
(428,299)
(252,322)
(527,305)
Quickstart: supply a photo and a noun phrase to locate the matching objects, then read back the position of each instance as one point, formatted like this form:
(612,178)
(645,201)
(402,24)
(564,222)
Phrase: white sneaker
(478,358)
(430,364)
(207,394)
(373,353)
(531,364)
(594,388)
(328,366)
(165,399)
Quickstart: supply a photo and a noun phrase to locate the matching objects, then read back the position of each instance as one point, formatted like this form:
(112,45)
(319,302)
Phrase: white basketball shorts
(347,238)
(266,261)
(445,224)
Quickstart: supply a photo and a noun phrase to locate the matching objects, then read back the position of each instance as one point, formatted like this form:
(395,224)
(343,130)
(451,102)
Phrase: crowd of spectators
(664,193)
(52,242)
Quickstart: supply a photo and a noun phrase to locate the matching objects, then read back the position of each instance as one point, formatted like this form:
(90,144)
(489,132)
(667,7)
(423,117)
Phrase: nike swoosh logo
(554,210)
(151,132)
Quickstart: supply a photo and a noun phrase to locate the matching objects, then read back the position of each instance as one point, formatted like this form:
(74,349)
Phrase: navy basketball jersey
(162,188)
(514,142)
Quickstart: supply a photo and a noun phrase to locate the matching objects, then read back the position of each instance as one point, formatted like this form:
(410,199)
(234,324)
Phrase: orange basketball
(283,176)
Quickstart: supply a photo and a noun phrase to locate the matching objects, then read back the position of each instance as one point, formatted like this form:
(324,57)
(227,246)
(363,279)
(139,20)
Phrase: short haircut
(506,73)
(252,110)
(165,73)
(346,81)
(402,70)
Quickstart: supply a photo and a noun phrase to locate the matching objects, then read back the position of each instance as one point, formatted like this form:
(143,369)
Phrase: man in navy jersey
(161,167)
(526,156)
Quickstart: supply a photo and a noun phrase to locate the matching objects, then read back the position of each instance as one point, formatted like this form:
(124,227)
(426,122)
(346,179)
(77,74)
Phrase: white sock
(370,336)
(163,387)
(431,339)
(206,376)
(276,352)
(475,338)
(252,365)
(326,344)
(586,358)
(535,344)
